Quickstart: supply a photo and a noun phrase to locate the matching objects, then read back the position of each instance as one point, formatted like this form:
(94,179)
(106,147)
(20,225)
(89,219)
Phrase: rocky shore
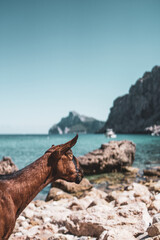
(133,213)
(108,206)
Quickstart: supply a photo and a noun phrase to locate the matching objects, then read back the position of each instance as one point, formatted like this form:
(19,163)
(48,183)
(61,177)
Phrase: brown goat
(17,190)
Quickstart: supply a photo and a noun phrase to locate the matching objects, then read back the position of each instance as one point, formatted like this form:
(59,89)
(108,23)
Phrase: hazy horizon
(60,56)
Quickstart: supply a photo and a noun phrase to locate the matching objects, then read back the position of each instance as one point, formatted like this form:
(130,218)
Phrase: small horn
(66,146)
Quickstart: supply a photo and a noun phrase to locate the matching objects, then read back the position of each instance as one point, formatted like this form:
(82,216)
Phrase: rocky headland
(139,109)
(76,123)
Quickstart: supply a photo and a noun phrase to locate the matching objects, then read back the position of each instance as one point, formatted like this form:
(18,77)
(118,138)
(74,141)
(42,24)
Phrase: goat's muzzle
(78,178)
(78,169)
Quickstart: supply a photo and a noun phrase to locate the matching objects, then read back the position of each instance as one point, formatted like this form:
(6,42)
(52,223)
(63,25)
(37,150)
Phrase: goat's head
(67,166)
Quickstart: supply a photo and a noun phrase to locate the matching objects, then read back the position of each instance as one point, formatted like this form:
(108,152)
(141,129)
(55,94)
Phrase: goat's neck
(29,181)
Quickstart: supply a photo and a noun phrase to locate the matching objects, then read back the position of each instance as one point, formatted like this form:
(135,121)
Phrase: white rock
(46,219)
(33,231)
(18,234)
(24,224)
(21,218)
(116,234)
(28,213)
(156,218)
(155,205)
(157,196)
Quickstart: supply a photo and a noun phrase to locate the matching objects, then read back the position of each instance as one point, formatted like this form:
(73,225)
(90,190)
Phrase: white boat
(154,130)
(110,133)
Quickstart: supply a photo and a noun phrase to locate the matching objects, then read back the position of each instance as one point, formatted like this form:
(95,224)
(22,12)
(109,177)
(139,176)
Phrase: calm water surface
(24,149)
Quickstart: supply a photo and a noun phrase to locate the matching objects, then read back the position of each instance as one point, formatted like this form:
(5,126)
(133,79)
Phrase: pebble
(156,218)
(154,230)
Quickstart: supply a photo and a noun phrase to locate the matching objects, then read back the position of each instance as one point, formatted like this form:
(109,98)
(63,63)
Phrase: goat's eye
(70,155)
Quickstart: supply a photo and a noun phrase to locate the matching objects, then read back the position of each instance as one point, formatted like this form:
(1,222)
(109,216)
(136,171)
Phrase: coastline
(118,204)
(113,206)
(96,214)
(24,149)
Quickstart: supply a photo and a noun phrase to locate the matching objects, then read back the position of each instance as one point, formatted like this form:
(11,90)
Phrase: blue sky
(62,55)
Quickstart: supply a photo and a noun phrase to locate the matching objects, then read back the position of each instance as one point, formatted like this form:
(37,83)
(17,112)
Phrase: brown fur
(19,189)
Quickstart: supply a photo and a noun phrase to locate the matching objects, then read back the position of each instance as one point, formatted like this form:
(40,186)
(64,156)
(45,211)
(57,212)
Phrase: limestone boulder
(155,205)
(112,156)
(71,187)
(133,218)
(57,194)
(7,166)
(131,170)
(114,234)
(154,186)
(156,218)
(154,171)
(133,193)
(63,189)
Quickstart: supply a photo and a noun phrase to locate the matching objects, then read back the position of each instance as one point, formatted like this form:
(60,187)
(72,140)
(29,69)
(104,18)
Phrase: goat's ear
(63,148)
(66,146)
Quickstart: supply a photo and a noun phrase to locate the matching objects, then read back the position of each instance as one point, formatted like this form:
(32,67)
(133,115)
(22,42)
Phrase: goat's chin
(78,179)
(75,178)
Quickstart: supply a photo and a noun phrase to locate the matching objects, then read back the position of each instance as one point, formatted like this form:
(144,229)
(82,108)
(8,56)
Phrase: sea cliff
(138,109)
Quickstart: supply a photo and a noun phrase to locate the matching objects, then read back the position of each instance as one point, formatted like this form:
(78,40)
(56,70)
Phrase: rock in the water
(154,171)
(7,166)
(111,156)
(131,170)
(139,109)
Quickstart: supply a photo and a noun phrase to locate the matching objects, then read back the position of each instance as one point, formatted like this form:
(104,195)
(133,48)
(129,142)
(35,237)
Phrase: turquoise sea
(24,149)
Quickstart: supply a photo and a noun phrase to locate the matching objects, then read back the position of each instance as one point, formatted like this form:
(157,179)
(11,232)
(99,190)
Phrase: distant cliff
(76,123)
(139,109)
